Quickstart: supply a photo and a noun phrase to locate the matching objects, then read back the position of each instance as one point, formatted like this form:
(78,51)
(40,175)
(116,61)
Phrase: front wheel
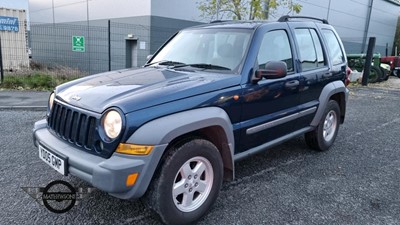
(325,134)
(187,183)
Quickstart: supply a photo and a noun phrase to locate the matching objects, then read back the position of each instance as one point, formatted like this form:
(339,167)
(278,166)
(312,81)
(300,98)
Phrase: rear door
(315,70)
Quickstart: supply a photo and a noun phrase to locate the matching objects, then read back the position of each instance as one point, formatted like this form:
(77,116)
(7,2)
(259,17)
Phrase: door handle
(292,84)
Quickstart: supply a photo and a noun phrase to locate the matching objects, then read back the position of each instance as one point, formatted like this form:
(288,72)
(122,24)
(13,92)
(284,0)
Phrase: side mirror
(273,70)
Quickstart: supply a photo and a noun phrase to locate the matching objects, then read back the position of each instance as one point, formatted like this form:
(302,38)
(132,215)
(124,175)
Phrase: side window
(275,46)
(311,54)
(318,48)
(335,52)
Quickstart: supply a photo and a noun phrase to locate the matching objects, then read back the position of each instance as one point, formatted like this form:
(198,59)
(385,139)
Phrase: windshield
(217,48)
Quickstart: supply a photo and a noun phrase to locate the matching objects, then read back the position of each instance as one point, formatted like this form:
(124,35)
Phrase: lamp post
(217,9)
(88,32)
(329,9)
(52,5)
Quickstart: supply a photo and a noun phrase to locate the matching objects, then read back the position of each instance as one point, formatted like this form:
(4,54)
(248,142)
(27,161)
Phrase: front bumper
(108,175)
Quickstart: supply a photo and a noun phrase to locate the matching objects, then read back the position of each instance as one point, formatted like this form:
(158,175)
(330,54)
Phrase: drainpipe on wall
(368,19)
(1,64)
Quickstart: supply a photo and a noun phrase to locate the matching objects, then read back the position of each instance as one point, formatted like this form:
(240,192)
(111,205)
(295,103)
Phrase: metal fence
(105,47)
(76,50)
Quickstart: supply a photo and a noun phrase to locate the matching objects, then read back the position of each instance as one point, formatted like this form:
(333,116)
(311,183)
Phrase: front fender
(163,130)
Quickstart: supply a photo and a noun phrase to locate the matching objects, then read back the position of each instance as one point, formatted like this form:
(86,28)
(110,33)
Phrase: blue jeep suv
(171,131)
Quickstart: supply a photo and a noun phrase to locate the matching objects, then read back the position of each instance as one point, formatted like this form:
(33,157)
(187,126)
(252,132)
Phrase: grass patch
(39,77)
(36,81)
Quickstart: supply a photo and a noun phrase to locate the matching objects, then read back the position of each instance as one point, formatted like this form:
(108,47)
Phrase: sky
(14,4)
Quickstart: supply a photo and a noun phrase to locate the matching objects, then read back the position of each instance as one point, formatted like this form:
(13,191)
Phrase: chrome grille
(73,126)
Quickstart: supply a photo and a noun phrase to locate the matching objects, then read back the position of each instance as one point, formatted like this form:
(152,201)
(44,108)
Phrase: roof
(253,24)
(233,24)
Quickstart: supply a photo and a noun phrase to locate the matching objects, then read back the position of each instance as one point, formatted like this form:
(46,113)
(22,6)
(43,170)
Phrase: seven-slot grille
(72,125)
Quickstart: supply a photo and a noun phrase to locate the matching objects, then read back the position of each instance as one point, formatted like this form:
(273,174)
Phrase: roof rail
(287,18)
(219,21)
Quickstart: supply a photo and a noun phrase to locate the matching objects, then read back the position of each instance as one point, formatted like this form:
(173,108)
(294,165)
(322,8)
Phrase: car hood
(134,89)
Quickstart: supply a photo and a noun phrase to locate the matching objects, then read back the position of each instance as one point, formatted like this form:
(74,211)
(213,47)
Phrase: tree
(244,9)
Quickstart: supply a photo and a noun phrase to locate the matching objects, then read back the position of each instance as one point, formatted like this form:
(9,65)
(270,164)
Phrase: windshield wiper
(203,65)
(167,63)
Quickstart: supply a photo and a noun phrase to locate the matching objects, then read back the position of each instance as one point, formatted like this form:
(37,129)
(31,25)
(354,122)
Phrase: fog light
(132,149)
(131,179)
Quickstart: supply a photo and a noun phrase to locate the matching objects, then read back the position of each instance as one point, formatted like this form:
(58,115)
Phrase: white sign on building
(14,36)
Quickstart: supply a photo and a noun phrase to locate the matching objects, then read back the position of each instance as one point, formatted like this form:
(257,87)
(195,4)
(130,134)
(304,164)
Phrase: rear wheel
(395,72)
(325,134)
(374,74)
(385,75)
(187,183)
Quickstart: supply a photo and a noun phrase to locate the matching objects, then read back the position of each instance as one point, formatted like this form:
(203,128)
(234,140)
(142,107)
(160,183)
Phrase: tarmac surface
(355,182)
(23,100)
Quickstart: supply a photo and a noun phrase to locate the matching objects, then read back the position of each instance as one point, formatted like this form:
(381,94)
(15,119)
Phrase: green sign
(78,43)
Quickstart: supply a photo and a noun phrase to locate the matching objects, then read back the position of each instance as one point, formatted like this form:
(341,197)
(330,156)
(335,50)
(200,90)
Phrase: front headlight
(51,101)
(112,124)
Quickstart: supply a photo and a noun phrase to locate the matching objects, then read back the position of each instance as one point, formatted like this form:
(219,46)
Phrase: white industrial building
(14,39)
(355,21)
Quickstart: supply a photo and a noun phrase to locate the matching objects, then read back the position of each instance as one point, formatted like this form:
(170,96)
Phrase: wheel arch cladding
(216,135)
(336,91)
(212,123)
(340,99)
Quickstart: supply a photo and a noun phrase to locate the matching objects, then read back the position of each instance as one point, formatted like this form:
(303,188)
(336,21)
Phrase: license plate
(53,160)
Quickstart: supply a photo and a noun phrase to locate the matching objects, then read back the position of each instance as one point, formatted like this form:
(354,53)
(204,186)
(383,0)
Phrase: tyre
(187,183)
(325,133)
(374,74)
(395,72)
(385,75)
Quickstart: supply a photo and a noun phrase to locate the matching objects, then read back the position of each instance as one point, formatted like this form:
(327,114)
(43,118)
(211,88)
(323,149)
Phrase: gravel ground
(356,182)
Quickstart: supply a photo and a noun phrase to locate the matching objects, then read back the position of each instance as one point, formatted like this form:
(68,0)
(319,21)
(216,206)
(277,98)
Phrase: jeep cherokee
(171,131)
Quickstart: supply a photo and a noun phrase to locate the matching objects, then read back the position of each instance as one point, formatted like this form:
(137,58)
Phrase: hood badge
(76,97)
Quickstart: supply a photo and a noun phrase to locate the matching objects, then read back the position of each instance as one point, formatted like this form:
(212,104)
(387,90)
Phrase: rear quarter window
(334,50)
(310,49)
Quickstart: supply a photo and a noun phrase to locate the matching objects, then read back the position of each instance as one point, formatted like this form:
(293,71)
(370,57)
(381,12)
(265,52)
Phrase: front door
(270,105)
